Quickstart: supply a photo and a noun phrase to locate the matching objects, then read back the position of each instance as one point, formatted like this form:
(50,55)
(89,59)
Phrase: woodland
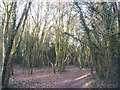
(59,44)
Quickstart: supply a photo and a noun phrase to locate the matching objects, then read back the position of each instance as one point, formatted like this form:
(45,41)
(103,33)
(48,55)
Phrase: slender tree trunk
(118,44)
(7,61)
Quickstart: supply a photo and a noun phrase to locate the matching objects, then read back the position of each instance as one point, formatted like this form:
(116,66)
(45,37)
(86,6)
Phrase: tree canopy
(47,34)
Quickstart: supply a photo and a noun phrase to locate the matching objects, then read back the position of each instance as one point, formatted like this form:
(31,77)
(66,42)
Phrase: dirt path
(73,77)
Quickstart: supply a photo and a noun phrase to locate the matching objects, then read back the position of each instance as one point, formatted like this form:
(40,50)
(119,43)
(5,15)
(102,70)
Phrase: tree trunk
(7,61)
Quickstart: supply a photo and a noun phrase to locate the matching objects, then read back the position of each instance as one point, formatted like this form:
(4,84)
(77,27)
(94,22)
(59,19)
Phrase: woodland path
(73,77)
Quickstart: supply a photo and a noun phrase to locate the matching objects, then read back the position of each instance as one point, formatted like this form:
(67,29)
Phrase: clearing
(73,77)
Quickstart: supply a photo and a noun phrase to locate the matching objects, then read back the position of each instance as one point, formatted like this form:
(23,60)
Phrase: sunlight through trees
(54,35)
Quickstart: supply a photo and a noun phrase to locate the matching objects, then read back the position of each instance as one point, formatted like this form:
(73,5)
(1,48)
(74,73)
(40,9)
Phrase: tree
(7,44)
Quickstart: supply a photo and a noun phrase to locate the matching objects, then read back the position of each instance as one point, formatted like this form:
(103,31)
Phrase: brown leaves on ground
(73,77)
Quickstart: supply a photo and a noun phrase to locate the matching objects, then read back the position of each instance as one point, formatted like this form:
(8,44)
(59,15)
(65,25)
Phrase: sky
(66,0)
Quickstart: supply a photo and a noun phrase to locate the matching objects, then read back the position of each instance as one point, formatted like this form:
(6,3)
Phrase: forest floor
(73,77)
